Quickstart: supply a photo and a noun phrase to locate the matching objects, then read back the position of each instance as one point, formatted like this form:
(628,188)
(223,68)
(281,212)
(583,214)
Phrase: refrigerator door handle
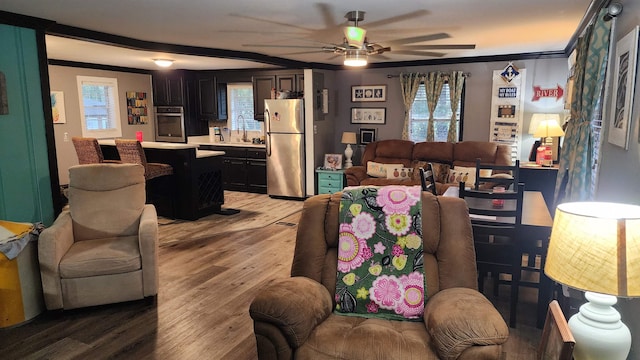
(267,121)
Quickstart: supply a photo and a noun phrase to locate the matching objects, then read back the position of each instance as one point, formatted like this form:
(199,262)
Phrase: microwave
(170,124)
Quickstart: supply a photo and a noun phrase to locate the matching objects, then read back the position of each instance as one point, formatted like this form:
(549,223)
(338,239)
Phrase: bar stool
(131,151)
(88,151)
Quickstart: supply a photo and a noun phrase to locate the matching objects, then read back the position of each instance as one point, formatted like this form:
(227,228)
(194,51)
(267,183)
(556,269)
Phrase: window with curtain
(419,117)
(99,109)
(240,107)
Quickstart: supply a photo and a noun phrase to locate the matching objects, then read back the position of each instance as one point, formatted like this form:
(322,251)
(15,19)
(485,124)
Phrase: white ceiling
(497,27)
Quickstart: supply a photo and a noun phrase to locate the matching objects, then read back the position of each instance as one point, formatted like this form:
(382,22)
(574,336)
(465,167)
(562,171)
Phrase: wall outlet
(66,137)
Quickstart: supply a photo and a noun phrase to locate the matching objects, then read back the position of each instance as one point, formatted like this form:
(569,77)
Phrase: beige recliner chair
(294,319)
(104,248)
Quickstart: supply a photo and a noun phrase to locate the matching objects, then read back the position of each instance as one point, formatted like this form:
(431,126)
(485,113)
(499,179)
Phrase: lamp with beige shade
(595,247)
(348,138)
(546,127)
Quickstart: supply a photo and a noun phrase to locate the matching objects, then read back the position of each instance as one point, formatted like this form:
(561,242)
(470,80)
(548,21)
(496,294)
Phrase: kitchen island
(195,188)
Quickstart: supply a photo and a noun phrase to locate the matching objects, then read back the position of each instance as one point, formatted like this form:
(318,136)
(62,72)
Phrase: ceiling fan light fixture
(163,62)
(355,57)
(355,36)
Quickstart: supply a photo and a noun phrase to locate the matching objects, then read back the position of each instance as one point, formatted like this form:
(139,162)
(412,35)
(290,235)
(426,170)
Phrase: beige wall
(62,78)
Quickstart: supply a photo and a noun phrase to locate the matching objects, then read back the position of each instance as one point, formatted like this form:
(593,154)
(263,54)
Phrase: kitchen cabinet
(262,85)
(168,88)
(243,168)
(207,100)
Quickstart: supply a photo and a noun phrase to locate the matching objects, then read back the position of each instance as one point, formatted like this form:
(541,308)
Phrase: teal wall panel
(25,183)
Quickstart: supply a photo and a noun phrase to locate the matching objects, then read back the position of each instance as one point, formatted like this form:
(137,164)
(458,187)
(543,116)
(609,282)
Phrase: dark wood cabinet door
(207,99)
(175,91)
(235,174)
(168,89)
(286,82)
(257,175)
(262,86)
(160,91)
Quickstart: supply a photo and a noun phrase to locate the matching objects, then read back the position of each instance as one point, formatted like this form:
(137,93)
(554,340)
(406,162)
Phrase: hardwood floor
(201,312)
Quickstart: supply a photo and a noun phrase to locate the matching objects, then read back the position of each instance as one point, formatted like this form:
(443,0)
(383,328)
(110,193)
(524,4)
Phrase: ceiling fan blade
(327,15)
(271,22)
(419,53)
(281,46)
(438,47)
(305,52)
(397,18)
(382,57)
(421,38)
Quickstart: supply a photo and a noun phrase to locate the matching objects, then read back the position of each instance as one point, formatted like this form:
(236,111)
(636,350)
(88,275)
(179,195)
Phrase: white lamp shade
(595,246)
(549,128)
(537,118)
(349,138)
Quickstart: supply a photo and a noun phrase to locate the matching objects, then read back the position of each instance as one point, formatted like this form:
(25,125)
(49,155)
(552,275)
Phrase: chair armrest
(355,175)
(459,318)
(293,305)
(53,243)
(148,240)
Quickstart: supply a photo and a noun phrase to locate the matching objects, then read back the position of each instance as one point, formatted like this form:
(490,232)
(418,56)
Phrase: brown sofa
(294,319)
(406,152)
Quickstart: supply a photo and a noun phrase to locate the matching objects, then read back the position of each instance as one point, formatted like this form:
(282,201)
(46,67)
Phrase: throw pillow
(399,173)
(375,169)
(457,175)
(380,261)
(440,171)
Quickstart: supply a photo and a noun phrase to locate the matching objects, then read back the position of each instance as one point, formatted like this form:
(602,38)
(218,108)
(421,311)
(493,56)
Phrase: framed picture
(57,107)
(557,341)
(361,93)
(333,161)
(624,77)
(368,115)
(367,136)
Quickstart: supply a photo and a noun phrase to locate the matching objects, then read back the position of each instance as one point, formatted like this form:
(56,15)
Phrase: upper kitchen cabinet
(207,103)
(262,85)
(168,88)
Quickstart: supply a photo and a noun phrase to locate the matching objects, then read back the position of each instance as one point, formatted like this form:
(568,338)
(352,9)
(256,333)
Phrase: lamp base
(348,153)
(598,331)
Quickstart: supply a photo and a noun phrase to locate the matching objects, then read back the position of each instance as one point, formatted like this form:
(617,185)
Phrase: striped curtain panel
(576,161)
(433,83)
(409,84)
(456,82)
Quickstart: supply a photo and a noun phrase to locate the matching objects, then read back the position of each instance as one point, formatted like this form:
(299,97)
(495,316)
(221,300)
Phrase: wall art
(367,136)
(362,93)
(368,115)
(57,107)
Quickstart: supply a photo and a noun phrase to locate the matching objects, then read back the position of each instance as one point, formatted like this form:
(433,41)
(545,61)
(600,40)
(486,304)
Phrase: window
(419,117)
(99,109)
(240,107)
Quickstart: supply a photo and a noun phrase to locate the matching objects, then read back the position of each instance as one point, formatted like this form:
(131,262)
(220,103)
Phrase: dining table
(534,231)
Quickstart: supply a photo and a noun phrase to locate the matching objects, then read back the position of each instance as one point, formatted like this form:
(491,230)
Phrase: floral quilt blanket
(380,260)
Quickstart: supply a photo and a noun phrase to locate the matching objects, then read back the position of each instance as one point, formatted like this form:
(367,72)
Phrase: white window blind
(99,107)
(240,107)
(442,115)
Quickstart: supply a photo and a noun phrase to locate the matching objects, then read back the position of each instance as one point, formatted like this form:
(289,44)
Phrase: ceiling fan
(356,48)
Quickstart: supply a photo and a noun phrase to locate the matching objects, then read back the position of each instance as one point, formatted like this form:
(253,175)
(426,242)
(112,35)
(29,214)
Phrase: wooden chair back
(427,179)
(507,182)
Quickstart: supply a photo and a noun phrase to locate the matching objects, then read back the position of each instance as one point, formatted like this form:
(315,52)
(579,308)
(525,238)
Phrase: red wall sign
(539,92)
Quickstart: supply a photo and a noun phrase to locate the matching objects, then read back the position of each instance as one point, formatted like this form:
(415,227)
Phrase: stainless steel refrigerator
(284,127)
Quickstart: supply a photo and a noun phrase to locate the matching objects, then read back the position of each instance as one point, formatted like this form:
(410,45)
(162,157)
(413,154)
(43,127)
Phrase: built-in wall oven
(170,124)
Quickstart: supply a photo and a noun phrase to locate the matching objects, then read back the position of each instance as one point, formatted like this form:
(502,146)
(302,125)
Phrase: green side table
(330,181)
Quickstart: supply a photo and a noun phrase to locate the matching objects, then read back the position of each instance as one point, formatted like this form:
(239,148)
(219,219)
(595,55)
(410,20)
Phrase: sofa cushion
(380,259)
(399,173)
(101,257)
(380,170)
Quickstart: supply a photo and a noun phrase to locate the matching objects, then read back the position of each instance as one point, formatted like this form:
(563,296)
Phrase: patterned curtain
(456,82)
(576,160)
(433,85)
(409,85)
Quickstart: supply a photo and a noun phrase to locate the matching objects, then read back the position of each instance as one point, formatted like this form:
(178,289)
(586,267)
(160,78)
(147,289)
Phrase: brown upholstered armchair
(293,318)
(104,248)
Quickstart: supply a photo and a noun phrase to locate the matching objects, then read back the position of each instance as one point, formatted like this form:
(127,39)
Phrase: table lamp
(595,247)
(548,128)
(348,138)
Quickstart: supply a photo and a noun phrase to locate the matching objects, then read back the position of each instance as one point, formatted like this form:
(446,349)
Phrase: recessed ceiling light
(163,62)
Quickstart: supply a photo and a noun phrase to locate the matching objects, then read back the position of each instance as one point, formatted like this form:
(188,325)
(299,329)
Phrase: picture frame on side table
(367,136)
(363,93)
(369,115)
(624,76)
(333,161)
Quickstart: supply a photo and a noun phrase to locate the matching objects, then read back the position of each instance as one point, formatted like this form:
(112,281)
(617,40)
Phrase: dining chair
(427,179)
(159,178)
(88,151)
(497,175)
(496,219)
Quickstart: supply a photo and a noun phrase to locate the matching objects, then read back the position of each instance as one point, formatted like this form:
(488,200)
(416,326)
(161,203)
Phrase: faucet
(244,128)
